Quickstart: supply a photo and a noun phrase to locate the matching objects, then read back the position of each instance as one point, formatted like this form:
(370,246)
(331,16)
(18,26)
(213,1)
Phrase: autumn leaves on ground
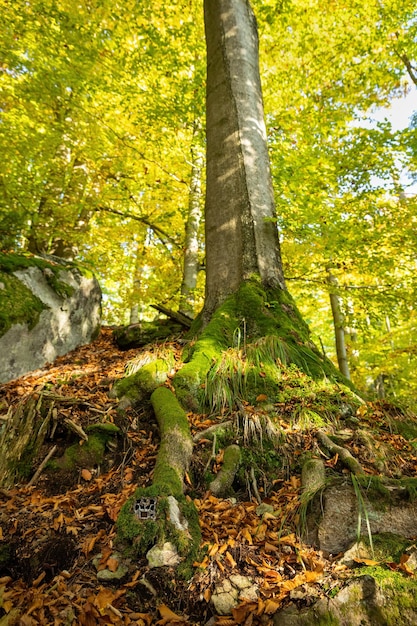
(61,530)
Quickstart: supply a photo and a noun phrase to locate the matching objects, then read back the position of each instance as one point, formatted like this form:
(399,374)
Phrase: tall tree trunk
(339,326)
(191,262)
(241,233)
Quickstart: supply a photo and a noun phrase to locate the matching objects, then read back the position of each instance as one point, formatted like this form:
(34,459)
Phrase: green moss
(410,485)
(222,484)
(18,304)
(407,429)
(377,488)
(11,262)
(175,431)
(400,605)
(139,386)
(387,546)
(88,454)
(327,619)
(103,429)
(140,535)
(262,333)
(189,382)
(265,460)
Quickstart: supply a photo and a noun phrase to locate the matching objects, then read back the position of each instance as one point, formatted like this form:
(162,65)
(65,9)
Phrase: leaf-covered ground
(61,531)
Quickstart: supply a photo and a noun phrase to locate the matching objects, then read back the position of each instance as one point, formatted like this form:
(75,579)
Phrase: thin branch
(161,233)
(412,71)
(42,466)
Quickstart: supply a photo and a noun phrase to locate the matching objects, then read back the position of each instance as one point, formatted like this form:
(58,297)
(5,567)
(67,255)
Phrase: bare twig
(42,466)
(76,428)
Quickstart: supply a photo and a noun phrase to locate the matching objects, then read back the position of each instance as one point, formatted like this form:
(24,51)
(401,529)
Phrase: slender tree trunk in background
(339,327)
(241,233)
(137,286)
(191,263)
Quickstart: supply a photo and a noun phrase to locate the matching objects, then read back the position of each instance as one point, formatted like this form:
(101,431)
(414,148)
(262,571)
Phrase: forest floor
(62,529)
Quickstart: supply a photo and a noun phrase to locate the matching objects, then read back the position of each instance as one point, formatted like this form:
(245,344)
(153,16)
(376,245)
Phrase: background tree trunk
(191,263)
(339,326)
(241,234)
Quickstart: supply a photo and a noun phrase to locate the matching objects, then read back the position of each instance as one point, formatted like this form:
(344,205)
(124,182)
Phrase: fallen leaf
(86,474)
(230,559)
(366,562)
(112,564)
(167,614)
(271,607)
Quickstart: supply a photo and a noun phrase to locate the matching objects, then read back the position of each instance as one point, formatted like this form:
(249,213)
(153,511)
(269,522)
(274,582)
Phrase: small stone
(226,586)
(166,555)
(225,602)
(412,561)
(250,593)
(241,582)
(106,574)
(231,591)
(175,516)
(264,508)
(358,551)
(125,403)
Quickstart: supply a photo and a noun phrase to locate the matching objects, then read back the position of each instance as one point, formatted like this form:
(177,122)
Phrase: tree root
(217,430)
(313,477)
(222,484)
(345,456)
(176,446)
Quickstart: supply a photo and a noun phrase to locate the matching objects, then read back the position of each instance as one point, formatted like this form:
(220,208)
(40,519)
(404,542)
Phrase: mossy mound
(139,335)
(88,453)
(243,352)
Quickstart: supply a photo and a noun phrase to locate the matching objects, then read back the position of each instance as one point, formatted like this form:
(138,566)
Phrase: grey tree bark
(191,262)
(339,326)
(241,233)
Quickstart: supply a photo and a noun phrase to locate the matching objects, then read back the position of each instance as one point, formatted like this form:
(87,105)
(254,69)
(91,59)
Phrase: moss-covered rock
(48,307)
(376,597)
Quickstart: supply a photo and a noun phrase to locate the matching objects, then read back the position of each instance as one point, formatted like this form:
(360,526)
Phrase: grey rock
(357,551)
(106,574)
(224,601)
(175,516)
(355,605)
(412,559)
(264,508)
(231,592)
(66,322)
(166,555)
(336,528)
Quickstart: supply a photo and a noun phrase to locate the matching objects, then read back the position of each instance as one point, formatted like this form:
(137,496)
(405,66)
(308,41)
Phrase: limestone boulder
(48,307)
